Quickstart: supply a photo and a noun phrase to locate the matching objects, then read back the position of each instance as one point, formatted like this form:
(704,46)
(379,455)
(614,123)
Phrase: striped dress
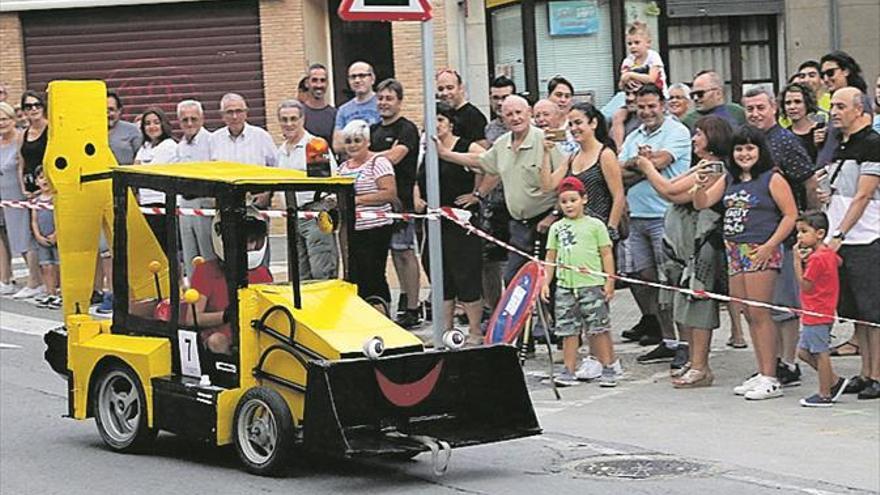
(365,176)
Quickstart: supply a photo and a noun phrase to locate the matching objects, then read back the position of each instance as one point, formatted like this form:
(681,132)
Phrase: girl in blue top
(759,213)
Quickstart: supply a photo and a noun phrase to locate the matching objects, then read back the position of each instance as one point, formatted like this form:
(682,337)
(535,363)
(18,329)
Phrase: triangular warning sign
(385,10)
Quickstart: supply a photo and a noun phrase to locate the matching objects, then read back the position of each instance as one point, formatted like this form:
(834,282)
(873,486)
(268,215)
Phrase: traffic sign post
(385,10)
(417,10)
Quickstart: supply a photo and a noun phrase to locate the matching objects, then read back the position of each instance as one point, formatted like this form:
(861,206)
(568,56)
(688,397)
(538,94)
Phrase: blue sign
(573,17)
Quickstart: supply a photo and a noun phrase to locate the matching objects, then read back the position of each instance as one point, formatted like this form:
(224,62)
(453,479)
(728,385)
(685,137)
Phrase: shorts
(741,260)
(47,255)
(860,282)
(786,293)
(815,339)
(581,308)
(644,246)
(695,312)
(403,235)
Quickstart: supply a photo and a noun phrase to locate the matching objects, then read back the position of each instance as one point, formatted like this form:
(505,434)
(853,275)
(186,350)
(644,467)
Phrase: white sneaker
(747,385)
(766,388)
(589,369)
(7,289)
(28,292)
(618,369)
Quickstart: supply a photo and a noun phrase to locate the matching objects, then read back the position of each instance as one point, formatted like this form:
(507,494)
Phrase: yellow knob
(325,224)
(154,266)
(191,296)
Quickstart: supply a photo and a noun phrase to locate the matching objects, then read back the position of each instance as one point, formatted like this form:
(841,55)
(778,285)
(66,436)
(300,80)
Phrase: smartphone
(820,119)
(555,135)
(715,167)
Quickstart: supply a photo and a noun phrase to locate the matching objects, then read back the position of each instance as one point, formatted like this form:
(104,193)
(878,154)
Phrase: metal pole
(432,175)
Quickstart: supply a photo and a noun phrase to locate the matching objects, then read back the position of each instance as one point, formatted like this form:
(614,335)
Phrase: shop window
(581,51)
(507,44)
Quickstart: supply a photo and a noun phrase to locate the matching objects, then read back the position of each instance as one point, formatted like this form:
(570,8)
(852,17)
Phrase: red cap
(571,184)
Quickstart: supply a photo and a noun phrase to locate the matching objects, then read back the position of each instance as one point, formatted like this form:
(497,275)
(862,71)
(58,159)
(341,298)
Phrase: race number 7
(188,346)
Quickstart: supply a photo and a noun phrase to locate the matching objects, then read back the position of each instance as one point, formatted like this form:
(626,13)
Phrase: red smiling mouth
(409,394)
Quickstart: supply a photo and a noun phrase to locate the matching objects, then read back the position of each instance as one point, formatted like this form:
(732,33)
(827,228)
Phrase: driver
(209,279)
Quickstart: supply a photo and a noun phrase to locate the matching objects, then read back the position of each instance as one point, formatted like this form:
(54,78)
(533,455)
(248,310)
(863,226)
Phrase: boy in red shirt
(815,268)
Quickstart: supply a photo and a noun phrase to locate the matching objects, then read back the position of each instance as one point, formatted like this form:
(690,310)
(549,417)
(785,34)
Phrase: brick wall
(407,41)
(11,55)
(284,59)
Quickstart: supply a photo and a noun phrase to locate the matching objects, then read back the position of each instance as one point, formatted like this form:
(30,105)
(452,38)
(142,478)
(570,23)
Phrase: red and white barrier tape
(209,212)
(700,294)
(462,219)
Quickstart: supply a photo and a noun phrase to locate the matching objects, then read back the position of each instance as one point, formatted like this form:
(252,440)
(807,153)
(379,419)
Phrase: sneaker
(653,337)
(566,379)
(838,388)
(817,400)
(410,319)
(106,306)
(8,289)
(589,369)
(56,303)
(608,378)
(401,304)
(681,358)
(787,376)
(856,384)
(43,301)
(766,387)
(427,313)
(28,292)
(746,385)
(640,328)
(97,297)
(618,369)
(659,354)
(871,391)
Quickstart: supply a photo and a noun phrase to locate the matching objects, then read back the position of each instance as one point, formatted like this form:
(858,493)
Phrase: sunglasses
(830,72)
(354,140)
(31,106)
(698,94)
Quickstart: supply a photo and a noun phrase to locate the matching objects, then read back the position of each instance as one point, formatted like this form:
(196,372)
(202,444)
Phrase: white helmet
(255,228)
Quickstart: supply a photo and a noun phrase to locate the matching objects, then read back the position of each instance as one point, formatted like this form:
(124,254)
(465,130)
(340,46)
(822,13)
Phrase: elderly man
(666,143)
(397,138)
(194,146)
(316,250)
(125,137)
(854,218)
(320,116)
(470,121)
(363,106)
(708,96)
(793,160)
(549,118)
(517,157)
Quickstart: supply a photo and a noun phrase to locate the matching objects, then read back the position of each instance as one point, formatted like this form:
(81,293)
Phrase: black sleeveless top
(599,198)
(455,180)
(33,152)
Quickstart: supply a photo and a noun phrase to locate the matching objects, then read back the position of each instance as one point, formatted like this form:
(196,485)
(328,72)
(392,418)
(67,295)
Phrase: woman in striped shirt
(375,191)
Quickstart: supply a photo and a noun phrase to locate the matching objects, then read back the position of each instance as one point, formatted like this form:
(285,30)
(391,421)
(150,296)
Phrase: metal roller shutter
(153,55)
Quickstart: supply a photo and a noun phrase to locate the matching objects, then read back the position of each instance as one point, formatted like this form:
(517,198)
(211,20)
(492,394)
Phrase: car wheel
(263,431)
(119,405)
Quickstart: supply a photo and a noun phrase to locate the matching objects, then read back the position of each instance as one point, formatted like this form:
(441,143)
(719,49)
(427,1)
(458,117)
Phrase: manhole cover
(636,466)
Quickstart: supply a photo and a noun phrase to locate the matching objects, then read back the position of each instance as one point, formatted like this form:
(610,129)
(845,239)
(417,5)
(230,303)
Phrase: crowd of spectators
(760,199)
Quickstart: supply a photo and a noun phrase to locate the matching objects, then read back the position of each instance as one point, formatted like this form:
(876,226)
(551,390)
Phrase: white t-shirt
(652,60)
(164,152)
(294,157)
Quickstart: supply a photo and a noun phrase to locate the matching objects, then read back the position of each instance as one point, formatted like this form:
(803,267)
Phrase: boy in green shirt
(581,299)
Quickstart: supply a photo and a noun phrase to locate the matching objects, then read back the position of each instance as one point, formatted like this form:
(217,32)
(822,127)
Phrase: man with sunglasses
(708,96)
(364,105)
(320,116)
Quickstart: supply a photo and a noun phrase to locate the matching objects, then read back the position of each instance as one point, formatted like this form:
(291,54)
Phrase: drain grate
(637,467)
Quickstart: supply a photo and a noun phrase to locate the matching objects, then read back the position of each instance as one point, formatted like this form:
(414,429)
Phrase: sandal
(677,373)
(731,342)
(694,378)
(845,349)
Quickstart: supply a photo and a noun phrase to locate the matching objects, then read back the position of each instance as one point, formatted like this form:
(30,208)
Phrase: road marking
(4,345)
(28,325)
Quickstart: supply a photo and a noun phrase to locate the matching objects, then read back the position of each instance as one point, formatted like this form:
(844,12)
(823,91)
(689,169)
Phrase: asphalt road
(595,440)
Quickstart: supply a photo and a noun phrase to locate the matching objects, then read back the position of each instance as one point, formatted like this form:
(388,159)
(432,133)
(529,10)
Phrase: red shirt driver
(210,280)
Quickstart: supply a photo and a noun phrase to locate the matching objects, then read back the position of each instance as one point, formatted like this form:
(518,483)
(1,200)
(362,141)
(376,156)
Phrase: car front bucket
(464,397)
